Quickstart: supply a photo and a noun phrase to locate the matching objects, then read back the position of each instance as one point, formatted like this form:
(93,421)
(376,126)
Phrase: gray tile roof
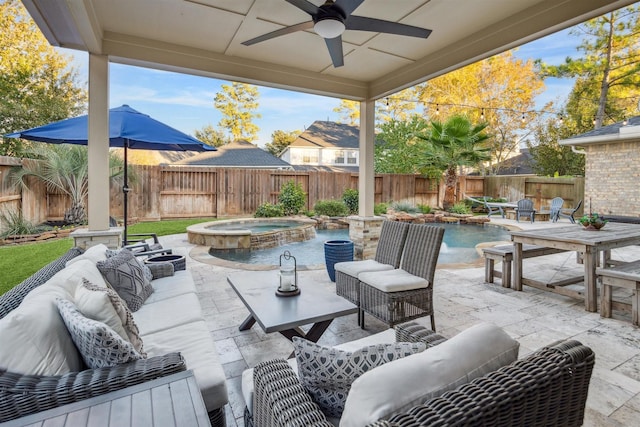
(236,154)
(613,129)
(322,134)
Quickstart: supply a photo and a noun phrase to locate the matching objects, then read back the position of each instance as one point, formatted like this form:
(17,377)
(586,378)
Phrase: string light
(523,118)
(437,110)
(625,122)
(482,115)
(561,119)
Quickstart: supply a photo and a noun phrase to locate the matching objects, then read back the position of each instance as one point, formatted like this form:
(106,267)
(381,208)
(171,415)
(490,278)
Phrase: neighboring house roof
(322,134)
(516,165)
(611,133)
(236,154)
(326,168)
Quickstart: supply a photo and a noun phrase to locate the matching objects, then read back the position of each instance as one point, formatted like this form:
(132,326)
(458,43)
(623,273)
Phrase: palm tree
(63,168)
(451,145)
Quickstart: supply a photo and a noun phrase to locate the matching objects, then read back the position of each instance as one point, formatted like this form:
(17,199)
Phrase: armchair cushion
(393,280)
(353,268)
(94,254)
(399,385)
(126,276)
(327,373)
(99,345)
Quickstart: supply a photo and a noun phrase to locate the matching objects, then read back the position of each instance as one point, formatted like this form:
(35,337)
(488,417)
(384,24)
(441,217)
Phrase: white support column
(366,175)
(98,143)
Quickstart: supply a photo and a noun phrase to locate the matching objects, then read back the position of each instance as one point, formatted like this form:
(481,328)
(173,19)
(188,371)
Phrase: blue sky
(185,102)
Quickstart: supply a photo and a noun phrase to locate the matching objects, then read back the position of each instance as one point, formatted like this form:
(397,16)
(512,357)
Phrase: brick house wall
(612,178)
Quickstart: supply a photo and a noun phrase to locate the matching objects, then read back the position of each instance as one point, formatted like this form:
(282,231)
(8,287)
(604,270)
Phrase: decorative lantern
(288,276)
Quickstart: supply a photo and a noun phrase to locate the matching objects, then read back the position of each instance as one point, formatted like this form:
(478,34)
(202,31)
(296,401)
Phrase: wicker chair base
(397,307)
(217,418)
(348,287)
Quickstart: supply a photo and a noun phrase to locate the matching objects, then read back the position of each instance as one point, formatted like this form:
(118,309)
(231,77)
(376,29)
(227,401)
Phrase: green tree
(398,150)
(280,140)
(453,144)
(63,168)
(37,84)
(212,136)
(551,158)
(607,72)
(238,103)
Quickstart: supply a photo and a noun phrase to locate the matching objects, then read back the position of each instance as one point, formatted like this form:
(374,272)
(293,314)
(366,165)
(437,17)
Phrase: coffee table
(317,304)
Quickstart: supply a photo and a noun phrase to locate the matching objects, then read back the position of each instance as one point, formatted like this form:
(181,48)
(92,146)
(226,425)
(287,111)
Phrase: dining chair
(405,293)
(387,257)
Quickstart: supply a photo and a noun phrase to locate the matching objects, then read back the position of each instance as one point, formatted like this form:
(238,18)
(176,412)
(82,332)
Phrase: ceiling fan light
(329,28)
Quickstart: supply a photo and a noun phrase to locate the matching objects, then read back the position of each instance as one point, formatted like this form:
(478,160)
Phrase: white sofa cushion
(397,386)
(353,268)
(168,313)
(393,280)
(105,305)
(94,254)
(99,345)
(327,373)
(35,341)
(168,287)
(193,341)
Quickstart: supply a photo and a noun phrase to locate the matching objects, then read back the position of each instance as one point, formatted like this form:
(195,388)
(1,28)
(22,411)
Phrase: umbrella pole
(125,189)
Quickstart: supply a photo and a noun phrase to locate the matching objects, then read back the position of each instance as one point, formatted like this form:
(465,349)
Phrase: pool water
(458,246)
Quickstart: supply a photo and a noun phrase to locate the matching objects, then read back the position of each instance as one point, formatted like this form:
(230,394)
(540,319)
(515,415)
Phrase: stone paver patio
(534,317)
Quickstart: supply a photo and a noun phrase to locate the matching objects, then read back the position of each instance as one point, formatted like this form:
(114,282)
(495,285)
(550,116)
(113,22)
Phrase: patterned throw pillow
(99,345)
(145,269)
(124,274)
(130,327)
(327,373)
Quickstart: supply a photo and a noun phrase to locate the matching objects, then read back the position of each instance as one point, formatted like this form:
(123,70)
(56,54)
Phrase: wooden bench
(504,253)
(625,276)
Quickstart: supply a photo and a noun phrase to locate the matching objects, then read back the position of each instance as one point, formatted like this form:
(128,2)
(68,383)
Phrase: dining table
(590,243)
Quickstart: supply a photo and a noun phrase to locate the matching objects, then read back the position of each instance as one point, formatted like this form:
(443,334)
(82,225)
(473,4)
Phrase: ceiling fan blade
(379,26)
(281,32)
(305,5)
(348,5)
(335,50)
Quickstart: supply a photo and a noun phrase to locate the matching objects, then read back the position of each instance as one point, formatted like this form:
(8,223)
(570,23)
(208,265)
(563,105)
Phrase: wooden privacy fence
(159,192)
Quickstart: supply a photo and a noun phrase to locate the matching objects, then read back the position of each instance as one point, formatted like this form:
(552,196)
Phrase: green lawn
(17,262)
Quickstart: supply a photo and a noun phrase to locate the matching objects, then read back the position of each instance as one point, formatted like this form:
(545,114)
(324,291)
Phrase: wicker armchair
(280,399)
(406,293)
(547,388)
(387,257)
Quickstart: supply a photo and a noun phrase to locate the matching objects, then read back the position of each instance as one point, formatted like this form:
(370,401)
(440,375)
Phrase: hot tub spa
(252,233)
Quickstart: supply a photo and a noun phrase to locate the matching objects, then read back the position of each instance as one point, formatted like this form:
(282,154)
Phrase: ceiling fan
(331,19)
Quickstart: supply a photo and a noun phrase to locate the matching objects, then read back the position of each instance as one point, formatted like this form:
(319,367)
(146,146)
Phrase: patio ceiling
(204,37)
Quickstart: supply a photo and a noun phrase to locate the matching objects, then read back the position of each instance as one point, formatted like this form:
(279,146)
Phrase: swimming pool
(458,246)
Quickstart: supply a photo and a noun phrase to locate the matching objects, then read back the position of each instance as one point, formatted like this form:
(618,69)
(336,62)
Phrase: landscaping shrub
(404,207)
(331,208)
(380,208)
(460,208)
(292,198)
(350,198)
(268,210)
(425,209)
(14,224)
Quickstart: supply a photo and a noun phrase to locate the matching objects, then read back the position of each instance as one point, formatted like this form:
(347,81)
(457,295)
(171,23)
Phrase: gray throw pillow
(145,269)
(327,373)
(99,345)
(125,275)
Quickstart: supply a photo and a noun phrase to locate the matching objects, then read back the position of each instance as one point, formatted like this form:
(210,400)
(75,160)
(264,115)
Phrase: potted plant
(592,222)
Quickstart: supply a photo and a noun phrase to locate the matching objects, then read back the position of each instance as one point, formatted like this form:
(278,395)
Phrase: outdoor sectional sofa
(170,323)
(455,382)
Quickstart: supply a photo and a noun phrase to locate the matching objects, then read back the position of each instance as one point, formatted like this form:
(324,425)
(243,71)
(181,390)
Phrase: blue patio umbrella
(128,128)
